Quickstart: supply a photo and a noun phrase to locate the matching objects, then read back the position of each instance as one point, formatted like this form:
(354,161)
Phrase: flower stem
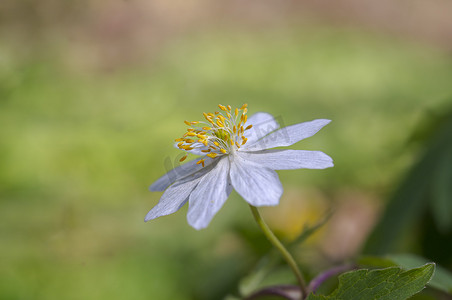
(278,245)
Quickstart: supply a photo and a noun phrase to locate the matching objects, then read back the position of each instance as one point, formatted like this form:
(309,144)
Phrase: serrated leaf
(441,280)
(383,284)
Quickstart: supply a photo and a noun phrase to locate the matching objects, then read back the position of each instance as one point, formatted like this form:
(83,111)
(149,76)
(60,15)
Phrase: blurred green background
(93,93)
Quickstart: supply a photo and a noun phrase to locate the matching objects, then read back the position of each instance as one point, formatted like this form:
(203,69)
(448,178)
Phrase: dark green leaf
(442,280)
(384,284)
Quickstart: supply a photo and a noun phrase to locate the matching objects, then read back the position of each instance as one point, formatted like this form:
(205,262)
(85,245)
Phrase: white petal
(259,186)
(263,123)
(173,198)
(289,135)
(209,195)
(289,159)
(178,173)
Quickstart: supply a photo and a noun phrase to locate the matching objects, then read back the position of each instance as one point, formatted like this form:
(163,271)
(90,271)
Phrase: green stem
(278,245)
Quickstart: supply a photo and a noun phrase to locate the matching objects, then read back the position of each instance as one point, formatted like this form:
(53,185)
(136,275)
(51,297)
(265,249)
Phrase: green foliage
(426,187)
(384,284)
(441,280)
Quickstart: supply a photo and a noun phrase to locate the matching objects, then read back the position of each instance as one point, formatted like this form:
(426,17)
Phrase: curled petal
(288,135)
(289,159)
(209,195)
(259,186)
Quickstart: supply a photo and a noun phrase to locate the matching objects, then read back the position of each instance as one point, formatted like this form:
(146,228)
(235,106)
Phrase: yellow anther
(188,148)
(205,151)
(245,110)
(205,142)
(223,151)
(222,107)
(188,123)
(246,118)
(244,106)
(206,128)
(248,127)
(236,112)
(190,133)
(219,123)
(180,144)
(241,130)
(189,141)
(244,140)
(179,140)
(229,108)
(194,122)
(229,115)
(217,112)
(212,155)
(216,144)
(211,115)
(234,129)
(237,144)
(183,158)
(201,136)
(201,161)
(232,142)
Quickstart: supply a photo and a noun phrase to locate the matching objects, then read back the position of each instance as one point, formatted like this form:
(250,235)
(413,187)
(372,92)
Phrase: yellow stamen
(223,151)
(236,112)
(201,161)
(189,141)
(206,128)
(194,122)
(205,151)
(188,123)
(232,142)
(212,155)
(178,140)
(248,127)
(244,106)
(216,144)
(229,108)
(183,158)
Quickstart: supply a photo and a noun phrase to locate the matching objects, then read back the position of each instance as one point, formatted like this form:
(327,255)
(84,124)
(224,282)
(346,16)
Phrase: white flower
(234,155)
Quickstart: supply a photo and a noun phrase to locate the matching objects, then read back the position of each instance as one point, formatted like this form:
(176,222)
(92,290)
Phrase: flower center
(222,133)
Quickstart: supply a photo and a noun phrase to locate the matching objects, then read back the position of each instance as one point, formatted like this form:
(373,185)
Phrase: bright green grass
(77,152)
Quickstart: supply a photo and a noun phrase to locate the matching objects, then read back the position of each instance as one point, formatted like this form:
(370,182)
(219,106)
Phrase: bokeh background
(93,93)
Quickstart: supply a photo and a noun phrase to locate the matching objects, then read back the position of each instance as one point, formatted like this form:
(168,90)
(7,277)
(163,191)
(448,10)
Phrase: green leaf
(383,284)
(442,280)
